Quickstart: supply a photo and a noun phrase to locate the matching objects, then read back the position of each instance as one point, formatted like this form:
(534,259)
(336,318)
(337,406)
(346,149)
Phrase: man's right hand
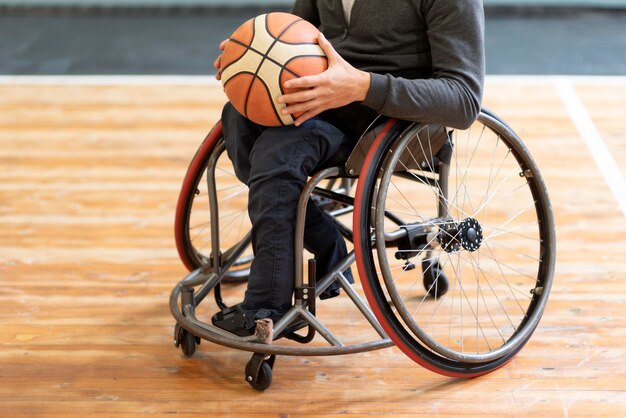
(218,60)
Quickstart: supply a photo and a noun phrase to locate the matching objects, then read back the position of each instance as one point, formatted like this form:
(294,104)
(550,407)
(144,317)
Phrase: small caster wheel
(435,279)
(259,371)
(263,379)
(185,340)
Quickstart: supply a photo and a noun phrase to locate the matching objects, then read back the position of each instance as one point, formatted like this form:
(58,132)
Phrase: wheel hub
(470,234)
(448,237)
(466,235)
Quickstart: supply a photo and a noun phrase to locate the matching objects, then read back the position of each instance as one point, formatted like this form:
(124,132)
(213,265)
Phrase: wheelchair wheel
(480,219)
(211,214)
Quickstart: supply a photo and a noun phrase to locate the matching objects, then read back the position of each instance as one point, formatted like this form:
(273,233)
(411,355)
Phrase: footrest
(232,320)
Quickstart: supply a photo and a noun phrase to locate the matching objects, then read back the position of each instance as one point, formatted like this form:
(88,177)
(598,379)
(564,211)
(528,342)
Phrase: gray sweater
(426,57)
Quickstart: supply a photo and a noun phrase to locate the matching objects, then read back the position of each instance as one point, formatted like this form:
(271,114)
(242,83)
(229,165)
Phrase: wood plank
(89,177)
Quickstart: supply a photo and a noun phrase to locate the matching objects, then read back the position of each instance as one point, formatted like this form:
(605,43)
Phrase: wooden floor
(89,176)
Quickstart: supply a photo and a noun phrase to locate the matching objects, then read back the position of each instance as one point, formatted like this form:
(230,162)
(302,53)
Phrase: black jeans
(275,164)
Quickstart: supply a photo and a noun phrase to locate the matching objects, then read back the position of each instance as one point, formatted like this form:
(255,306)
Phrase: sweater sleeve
(306,9)
(453,96)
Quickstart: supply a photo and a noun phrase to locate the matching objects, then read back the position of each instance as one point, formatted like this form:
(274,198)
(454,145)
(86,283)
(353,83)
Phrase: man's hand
(218,60)
(339,85)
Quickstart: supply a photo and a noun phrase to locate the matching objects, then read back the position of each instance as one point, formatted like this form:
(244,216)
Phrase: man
(419,60)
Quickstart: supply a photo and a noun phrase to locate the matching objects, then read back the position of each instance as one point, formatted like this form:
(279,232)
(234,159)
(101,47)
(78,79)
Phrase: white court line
(592,138)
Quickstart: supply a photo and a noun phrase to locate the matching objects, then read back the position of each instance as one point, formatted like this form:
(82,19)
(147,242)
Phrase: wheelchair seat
(350,157)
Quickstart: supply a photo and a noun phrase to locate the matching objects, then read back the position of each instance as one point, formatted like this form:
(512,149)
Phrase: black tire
(261,379)
(187,343)
(434,278)
(487,157)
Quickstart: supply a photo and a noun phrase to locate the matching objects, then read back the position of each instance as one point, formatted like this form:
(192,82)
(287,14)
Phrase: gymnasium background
(56,37)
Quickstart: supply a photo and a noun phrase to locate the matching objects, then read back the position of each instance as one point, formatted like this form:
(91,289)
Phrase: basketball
(260,56)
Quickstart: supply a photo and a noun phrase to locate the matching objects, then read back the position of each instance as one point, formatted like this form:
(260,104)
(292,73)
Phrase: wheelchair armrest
(432,139)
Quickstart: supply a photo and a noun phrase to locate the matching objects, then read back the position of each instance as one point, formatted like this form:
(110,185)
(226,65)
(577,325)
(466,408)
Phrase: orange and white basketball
(260,56)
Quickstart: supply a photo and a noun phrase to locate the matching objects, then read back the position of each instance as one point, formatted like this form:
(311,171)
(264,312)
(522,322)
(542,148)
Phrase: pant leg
(321,236)
(240,135)
(280,162)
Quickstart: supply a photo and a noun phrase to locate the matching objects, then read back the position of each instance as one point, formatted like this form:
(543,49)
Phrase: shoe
(233,320)
(331,291)
(334,289)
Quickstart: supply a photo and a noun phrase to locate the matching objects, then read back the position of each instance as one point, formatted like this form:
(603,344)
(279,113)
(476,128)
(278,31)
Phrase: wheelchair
(452,234)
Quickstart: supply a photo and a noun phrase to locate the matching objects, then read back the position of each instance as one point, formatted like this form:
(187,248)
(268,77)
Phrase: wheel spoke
(486,309)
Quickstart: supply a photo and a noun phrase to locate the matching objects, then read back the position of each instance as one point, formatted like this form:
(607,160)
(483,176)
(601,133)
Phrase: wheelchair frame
(207,277)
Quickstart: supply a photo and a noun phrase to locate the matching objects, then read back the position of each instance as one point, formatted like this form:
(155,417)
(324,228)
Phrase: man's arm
(453,96)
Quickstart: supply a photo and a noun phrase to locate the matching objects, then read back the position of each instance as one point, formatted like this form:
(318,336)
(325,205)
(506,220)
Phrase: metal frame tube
(301,219)
(213,203)
(188,321)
